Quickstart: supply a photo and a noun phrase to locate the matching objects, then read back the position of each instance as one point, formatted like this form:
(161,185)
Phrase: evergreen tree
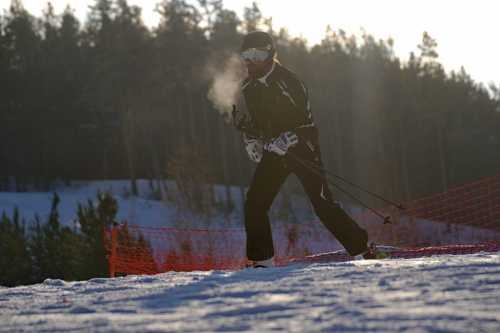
(15,261)
(52,247)
(21,44)
(93,222)
(252,18)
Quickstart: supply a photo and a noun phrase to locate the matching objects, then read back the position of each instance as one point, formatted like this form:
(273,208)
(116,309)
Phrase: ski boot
(374,253)
(260,263)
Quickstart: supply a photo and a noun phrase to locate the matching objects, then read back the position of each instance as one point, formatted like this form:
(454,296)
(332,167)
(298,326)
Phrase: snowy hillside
(144,211)
(437,294)
(141,210)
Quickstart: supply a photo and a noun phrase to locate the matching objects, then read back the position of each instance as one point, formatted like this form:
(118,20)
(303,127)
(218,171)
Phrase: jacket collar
(263,79)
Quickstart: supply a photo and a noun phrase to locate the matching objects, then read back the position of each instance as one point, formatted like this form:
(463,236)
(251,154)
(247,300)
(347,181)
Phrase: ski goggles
(256,54)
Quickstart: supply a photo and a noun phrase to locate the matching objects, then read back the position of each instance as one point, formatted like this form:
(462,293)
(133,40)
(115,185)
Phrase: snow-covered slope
(437,294)
(140,210)
(144,211)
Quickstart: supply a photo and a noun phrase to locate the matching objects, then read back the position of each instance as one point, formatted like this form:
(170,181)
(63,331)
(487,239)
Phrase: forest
(111,98)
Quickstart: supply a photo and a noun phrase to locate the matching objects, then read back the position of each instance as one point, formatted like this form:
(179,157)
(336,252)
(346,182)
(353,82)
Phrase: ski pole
(386,219)
(241,127)
(331,174)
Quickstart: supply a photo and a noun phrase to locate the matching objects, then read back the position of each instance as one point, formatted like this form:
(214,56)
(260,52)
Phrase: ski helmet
(258,42)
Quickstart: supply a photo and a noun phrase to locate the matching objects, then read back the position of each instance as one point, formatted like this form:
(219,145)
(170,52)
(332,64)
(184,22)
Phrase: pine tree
(54,248)
(15,261)
(21,44)
(94,221)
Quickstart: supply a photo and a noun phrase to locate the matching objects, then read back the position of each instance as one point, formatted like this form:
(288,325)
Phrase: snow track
(436,294)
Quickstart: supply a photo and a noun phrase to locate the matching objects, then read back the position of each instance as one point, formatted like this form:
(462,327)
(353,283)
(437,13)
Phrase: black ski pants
(268,178)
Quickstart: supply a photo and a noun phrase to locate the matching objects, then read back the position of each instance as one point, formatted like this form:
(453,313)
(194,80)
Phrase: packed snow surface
(436,294)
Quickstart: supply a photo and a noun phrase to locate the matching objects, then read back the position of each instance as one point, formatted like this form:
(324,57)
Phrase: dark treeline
(111,98)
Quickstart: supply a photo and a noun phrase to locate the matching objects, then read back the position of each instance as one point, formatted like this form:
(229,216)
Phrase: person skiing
(280,135)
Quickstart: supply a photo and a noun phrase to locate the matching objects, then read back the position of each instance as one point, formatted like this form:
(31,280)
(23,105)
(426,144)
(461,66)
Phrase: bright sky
(467,31)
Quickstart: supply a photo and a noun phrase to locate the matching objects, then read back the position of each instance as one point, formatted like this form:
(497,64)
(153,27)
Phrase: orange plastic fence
(174,249)
(476,203)
(148,250)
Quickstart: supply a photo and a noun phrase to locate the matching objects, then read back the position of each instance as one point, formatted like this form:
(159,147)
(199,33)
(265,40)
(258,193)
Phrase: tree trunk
(442,157)
(404,161)
(129,139)
(155,163)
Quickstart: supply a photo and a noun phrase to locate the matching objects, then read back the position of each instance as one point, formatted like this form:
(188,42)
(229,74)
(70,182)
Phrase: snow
(138,210)
(436,294)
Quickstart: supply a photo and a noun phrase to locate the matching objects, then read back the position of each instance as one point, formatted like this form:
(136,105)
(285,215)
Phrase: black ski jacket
(279,102)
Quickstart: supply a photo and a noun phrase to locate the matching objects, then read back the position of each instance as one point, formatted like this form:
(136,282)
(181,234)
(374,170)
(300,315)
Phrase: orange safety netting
(476,203)
(177,249)
(467,214)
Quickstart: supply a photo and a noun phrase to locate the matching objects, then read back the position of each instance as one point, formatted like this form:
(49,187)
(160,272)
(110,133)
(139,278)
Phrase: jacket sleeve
(297,114)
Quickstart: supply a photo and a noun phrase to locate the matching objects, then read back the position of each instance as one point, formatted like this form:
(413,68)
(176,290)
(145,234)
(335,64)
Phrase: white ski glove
(254,148)
(282,143)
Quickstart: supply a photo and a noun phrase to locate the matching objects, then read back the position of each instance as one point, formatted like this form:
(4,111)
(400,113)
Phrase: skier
(280,135)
